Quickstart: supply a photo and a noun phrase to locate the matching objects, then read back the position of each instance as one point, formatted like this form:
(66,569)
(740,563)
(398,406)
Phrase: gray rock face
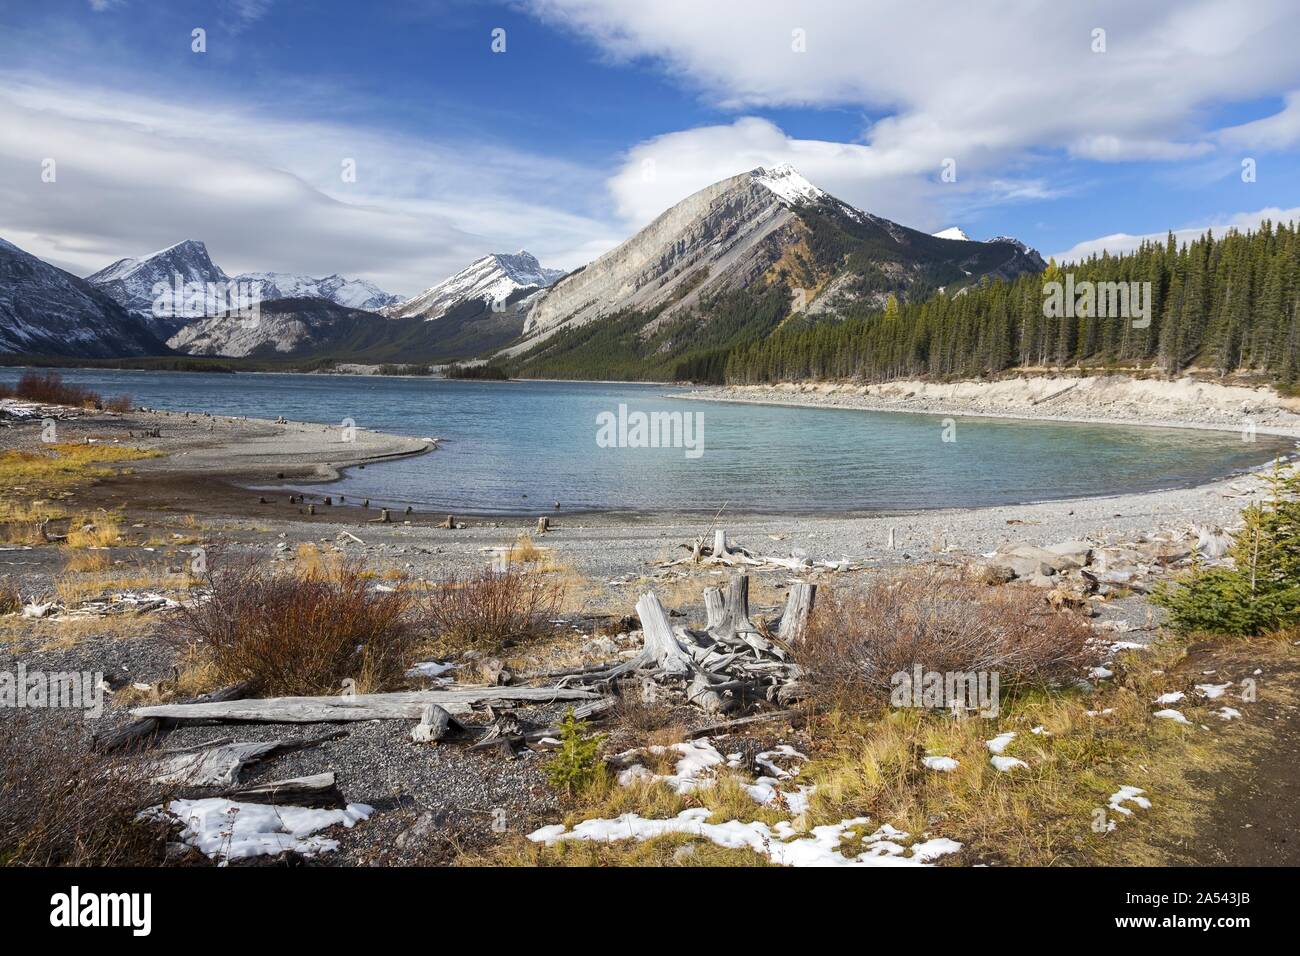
(714,238)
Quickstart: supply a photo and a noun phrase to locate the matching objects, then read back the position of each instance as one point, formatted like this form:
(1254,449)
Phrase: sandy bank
(1103,399)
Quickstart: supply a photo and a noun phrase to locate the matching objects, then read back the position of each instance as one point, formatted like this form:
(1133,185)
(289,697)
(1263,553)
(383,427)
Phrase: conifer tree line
(1222,305)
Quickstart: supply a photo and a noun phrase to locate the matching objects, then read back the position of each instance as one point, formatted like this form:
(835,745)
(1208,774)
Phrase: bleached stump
(798,605)
(735,615)
(661,646)
(713,608)
(720,544)
(435,723)
(543,524)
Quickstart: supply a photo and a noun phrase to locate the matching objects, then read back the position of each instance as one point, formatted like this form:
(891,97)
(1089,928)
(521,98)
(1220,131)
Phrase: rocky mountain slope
(46,311)
(132,282)
(766,243)
(495,280)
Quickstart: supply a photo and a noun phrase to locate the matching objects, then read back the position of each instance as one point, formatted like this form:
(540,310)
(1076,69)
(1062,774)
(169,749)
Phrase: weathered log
(146,728)
(404,705)
(218,763)
(318,790)
(798,605)
(727,726)
(720,543)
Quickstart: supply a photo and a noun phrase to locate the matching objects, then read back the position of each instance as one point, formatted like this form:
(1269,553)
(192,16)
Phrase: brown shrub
(62,804)
(857,641)
(50,388)
(292,634)
(491,609)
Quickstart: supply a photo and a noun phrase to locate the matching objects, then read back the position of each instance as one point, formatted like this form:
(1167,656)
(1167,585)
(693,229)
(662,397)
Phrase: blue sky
(601,113)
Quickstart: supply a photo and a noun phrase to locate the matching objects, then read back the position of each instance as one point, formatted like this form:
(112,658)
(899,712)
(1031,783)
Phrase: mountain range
(723,267)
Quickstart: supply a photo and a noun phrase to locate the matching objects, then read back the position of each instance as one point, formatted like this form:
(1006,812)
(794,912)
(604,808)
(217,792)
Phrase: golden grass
(868,764)
(100,530)
(61,465)
(86,562)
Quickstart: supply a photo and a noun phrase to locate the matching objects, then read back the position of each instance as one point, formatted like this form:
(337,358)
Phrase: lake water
(517,447)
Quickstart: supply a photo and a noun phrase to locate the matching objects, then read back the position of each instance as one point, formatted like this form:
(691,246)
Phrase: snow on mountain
(353,293)
(46,311)
(132,282)
(786,182)
(952,232)
(493,280)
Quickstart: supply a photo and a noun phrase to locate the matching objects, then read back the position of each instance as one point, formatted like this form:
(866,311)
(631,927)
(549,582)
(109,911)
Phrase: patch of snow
(999,743)
(225,830)
(939,763)
(1127,794)
(1007,764)
(1175,715)
(1213,691)
(1228,713)
(787,184)
(1172,697)
(780,844)
(1101,673)
(952,232)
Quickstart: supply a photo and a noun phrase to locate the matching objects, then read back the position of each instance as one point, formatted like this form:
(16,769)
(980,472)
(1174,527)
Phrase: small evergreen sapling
(577,764)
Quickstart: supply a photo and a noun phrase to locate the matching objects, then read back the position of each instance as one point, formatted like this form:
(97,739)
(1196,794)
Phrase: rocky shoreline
(1103,399)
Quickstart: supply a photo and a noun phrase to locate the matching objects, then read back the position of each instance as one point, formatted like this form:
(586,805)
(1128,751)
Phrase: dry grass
(100,530)
(859,640)
(490,609)
(61,804)
(305,632)
(20,521)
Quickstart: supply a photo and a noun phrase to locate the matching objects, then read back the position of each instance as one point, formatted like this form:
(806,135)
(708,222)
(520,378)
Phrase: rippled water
(516,447)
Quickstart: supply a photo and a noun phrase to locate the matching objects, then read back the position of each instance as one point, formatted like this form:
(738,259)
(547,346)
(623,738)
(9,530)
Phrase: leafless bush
(293,633)
(62,804)
(50,388)
(491,609)
(857,641)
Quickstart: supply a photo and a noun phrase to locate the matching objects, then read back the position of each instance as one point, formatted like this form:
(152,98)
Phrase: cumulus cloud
(1121,242)
(994,86)
(134,174)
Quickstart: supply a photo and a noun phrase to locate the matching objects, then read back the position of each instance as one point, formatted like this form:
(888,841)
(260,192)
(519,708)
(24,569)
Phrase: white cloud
(1278,131)
(1121,242)
(661,171)
(136,174)
(994,85)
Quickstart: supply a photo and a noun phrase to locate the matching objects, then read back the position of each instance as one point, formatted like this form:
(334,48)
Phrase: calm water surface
(516,447)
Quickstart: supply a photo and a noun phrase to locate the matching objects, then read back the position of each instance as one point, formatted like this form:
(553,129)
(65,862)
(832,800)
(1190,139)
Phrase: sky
(563,126)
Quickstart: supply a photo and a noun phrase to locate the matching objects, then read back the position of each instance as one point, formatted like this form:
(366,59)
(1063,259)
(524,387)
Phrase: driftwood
(726,552)
(405,705)
(146,728)
(318,790)
(218,763)
(729,663)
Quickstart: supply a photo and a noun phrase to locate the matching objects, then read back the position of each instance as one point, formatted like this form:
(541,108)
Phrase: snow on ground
(1170,714)
(1213,691)
(698,756)
(1228,713)
(1127,794)
(781,844)
(1171,698)
(1006,764)
(939,763)
(226,830)
(999,743)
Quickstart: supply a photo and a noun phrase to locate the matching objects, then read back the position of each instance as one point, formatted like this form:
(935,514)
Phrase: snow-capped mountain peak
(952,232)
(491,279)
(784,180)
